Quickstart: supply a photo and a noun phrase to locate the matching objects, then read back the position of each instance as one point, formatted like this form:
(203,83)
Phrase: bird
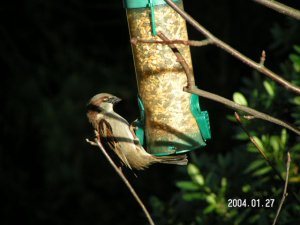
(116,133)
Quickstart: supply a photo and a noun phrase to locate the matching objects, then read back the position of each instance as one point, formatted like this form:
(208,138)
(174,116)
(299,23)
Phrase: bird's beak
(115,100)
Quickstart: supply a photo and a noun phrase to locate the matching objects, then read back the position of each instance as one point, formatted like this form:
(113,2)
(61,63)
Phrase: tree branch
(219,43)
(288,162)
(194,43)
(191,88)
(261,151)
(281,8)
(97,142)
(245,109)
(181,60)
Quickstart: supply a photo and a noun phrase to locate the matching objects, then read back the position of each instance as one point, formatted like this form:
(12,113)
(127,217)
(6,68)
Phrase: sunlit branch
(97,142)
(221,44)
(281,8)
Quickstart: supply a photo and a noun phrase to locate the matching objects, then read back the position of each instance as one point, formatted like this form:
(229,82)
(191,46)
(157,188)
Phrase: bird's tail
(173,159)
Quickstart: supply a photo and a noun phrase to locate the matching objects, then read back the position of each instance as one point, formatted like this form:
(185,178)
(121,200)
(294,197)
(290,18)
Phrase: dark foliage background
(55,55)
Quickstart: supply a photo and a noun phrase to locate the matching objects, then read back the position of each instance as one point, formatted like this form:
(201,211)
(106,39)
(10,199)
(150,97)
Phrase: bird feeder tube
(171,119)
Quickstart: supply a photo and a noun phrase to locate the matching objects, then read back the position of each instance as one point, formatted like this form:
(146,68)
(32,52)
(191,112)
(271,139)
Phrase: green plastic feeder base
(202,121)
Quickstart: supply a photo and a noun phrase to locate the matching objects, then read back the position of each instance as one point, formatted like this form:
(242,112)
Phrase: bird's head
(103,102)
(100,104)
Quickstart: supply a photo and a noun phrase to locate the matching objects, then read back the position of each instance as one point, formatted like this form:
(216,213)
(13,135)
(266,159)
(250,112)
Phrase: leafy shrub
(242,173)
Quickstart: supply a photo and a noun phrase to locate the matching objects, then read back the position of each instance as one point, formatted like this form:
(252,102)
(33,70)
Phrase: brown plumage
(115,131)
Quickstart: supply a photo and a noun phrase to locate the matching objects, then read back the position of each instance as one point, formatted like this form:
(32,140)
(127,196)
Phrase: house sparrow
(118,135)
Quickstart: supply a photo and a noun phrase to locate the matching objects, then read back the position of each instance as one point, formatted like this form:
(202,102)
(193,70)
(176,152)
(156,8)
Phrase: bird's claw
(133,128)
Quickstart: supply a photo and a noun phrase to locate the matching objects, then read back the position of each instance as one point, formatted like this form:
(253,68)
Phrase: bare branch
(262,58)
(261,151)
(288,162)
(281,8)
(191,88)
(245,109)
(124,179)
(219,43)
(176,41)
(181,60)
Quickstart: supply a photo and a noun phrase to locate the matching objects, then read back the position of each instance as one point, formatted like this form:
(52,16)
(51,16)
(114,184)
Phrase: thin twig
(288,162)
(124,179)
(253,113)
(221,44)
(181,60)
(262,58)
(191,88)
(235,106)
(261,151)
(281,8)
(174,41)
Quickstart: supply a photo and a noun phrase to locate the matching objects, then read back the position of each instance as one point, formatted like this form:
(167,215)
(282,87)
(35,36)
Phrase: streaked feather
(105,131)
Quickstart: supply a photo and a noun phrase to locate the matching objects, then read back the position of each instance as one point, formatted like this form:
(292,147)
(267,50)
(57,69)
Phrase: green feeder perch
(171,120)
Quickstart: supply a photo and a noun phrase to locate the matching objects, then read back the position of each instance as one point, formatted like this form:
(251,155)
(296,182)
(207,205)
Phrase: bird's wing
(106,131)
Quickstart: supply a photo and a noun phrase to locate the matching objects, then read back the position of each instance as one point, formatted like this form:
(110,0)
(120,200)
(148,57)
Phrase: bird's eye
(105,99)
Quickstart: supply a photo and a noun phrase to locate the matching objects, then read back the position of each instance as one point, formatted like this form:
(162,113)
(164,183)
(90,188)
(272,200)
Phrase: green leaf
(224,185)
(296,61)
(297,48)
(295,179)
(211,198)
(284,137)
(187,185)
(194,173)
(296,100)
(231,118)
(209,209)
(246,188)
(192,196)
(224,182)
(198,179)
(258,142)
(254,165)
(275,143)
(239,98)
(265,138)
(262,171)
(251,148)
(295,148)
(242,136)
(295,58)
(192,169)
(269,88)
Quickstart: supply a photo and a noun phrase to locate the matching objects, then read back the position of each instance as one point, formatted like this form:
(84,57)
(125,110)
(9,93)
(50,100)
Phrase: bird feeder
(171,121)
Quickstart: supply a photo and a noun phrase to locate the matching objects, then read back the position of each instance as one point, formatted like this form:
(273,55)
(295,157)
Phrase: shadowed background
(55,55)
